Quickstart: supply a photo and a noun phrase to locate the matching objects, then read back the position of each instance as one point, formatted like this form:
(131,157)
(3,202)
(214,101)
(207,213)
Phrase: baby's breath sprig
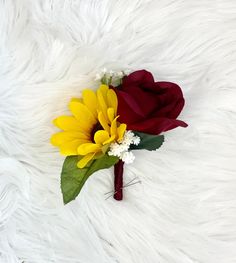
(121,149)
(110,77)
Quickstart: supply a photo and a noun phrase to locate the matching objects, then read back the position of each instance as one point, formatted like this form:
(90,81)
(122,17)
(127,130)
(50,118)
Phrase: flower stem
(118,180)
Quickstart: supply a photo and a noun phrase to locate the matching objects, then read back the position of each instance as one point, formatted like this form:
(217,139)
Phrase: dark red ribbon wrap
(118,180)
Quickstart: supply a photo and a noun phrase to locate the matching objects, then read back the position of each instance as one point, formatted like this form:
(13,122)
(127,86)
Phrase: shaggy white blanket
(184,211)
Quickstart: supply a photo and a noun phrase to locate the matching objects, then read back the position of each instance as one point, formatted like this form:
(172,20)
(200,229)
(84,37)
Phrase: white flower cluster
(110,74)
(121,149)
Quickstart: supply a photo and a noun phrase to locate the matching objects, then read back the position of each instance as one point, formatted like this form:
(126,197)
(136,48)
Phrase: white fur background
(184,211)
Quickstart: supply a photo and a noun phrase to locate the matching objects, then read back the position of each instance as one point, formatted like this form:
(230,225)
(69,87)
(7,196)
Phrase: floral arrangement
(128,112)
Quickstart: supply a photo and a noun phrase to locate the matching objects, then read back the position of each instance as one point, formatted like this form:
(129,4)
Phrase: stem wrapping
(118,180)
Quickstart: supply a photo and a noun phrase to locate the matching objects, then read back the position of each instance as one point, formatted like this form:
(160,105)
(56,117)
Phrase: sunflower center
(96,127)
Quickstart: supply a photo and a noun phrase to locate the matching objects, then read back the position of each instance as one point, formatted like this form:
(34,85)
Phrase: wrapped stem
(118,180)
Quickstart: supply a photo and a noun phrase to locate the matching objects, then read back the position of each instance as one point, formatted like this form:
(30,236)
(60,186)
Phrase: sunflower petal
(101,136)
(90,100)
(110,114)
(112,100)
(76,100)
(111,139)
(102,101)
(70,148)
(103,121)
(62,137)
(67,123)
(120,131)
(83,115)
(86,148)
(84,161)
(104,88)
(113,129)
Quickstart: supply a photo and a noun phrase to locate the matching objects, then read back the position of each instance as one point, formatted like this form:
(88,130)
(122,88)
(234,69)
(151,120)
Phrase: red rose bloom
(148,106)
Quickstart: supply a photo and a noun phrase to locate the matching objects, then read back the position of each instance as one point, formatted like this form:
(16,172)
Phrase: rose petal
(173,96)
(147,101)
(148,106)
(128,110)
(138,77)
(156,125)
(171,110)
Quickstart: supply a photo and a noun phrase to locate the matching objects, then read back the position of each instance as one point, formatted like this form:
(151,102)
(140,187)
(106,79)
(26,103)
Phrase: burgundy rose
(148,106)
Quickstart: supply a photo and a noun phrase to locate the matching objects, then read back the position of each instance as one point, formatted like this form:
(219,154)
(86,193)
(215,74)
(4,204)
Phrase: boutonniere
(126,113)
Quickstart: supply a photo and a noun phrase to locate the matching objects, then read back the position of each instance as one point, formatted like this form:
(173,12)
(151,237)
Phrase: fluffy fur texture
(184,211)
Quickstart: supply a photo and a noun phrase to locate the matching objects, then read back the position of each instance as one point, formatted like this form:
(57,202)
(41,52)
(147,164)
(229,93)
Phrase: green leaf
(73,178)
(148,142)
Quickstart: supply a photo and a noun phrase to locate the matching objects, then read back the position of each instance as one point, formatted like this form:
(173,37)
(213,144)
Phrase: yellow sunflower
(93,126)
